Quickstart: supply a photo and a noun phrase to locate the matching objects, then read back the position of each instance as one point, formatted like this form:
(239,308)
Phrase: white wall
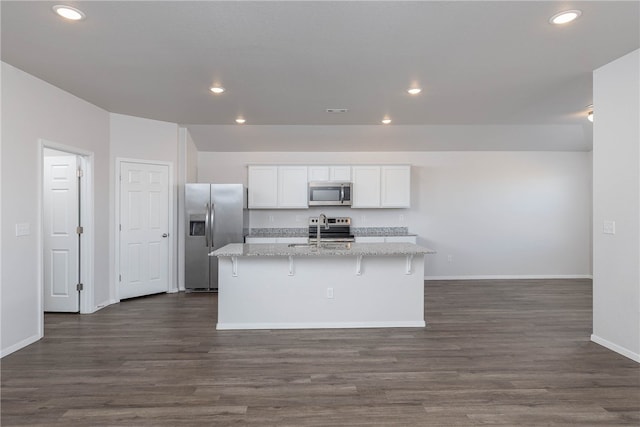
(616,197)
(498,214)
(33,109)
(187,172)
(136,138)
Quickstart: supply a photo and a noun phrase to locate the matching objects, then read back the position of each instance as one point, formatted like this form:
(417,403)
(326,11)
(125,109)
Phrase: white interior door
(61,240)
(144,228)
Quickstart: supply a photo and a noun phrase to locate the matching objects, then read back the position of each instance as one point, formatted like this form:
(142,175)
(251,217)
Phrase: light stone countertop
(327,249)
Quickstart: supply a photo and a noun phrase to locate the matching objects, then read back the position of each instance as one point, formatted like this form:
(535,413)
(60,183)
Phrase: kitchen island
(300,286)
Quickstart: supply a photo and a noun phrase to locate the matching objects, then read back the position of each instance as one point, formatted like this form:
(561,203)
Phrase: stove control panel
(340,220)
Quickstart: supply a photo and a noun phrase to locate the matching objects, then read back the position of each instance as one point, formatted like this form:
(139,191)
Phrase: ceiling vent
(337,110)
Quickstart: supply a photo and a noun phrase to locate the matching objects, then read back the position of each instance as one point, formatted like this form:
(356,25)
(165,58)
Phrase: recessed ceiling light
(337,110)
(69,12)
(216,89)
(240,120)
(386,121)
(414,90)
(565,16)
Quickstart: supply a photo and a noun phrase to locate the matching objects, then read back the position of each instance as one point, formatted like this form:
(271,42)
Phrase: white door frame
(172,229)
(87,253)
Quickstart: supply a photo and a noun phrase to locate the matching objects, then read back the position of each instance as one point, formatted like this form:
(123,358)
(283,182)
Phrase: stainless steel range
(336,229)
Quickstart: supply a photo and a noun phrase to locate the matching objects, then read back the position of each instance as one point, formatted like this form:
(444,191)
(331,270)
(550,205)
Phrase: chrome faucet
(322,220)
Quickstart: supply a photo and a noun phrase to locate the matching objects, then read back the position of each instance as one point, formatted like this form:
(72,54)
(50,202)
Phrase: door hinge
(120,278)
(79,287)
(79,230)
(80,173)
(120,227)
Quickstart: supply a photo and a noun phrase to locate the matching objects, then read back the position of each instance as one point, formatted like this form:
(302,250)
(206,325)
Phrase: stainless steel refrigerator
(215,216)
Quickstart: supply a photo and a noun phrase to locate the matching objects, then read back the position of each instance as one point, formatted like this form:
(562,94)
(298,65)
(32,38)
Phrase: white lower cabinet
(401,239)
(276,240)
(386,239)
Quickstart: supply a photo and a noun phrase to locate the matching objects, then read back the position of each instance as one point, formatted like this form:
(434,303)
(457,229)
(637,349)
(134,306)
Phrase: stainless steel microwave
(330,193)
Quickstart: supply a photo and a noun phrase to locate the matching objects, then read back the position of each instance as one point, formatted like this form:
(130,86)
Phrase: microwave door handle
(342,194)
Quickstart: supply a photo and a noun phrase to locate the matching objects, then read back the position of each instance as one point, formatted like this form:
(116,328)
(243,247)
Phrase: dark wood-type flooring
(494,353)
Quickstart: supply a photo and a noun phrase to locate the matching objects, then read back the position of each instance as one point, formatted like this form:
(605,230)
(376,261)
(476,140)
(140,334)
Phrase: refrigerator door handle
(213,218)
(206,225)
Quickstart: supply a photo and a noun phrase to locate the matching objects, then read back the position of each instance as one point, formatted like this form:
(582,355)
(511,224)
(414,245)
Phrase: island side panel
(264,295)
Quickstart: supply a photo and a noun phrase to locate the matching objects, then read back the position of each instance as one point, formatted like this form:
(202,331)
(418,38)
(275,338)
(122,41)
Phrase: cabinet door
(366,186)
(395,186)
(292,187)
(340,173)
(318,173)
(263,187)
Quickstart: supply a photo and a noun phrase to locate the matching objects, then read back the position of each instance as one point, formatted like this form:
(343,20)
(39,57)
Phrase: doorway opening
(66,229)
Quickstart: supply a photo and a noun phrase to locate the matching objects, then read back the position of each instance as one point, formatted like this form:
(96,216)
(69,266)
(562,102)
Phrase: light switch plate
(23,229)
(609,227)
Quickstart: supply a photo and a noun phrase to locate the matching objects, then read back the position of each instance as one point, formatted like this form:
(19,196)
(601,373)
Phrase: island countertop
(352,249)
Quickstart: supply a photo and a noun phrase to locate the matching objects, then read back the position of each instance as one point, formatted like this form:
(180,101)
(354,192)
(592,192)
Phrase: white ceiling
(283,62)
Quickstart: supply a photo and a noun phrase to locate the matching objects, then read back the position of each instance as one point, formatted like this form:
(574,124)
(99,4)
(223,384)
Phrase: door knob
(165,235)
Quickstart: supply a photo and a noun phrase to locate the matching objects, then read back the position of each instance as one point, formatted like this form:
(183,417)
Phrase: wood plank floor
(494,353)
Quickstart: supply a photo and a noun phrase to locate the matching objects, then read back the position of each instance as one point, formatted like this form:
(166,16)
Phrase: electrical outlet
(271,218)
(363,218)
(609,227)
(23,229)
(400,219)
(330,293)
(450,258)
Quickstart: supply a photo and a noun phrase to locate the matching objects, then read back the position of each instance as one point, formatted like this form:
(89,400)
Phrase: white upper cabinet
(340,173)
(286,186)
(292,187)
(329,173)
(263,187)
(366,186)
(318,173)
(395,186)
(386,186)
(277,187)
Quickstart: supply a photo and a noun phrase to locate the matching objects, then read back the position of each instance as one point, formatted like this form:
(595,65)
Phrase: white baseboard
(22,344)
(321,325)
(615,347)
(511,277)
(103,305)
